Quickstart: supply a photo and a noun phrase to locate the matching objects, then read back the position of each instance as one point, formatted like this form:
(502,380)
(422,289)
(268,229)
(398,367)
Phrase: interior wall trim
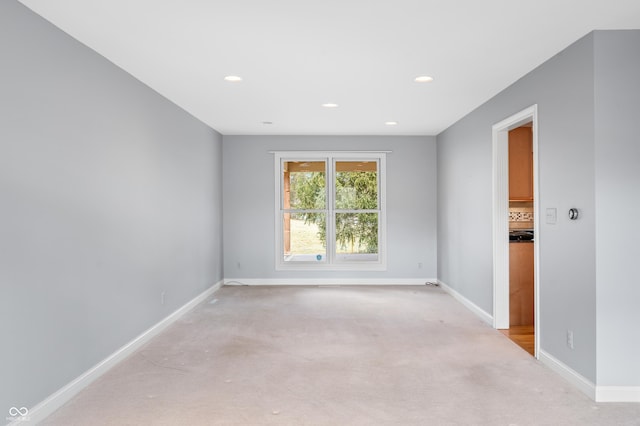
(500,200)
(617,393)
(56,400)
(576,379)
(329,281)
(484,316)
(595,392)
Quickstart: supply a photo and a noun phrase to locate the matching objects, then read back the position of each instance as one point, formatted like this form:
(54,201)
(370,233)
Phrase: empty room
(329,213)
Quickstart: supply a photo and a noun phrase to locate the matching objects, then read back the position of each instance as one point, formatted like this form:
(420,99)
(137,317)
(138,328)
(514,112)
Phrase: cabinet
(521,164)
(521,294)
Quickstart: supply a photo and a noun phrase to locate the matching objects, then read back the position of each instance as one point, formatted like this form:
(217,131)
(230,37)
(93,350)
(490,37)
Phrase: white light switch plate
(552,215)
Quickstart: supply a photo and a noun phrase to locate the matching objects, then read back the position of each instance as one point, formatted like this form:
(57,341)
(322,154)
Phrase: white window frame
(331,263)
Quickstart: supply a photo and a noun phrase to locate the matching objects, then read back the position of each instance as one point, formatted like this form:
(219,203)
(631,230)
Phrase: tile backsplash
(520,215)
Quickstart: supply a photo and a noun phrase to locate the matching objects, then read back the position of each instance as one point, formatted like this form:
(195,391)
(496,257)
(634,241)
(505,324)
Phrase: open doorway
(523,207)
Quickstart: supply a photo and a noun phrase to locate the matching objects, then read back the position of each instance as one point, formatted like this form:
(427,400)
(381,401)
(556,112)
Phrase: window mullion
(331,220)
(356,211)
(303,211)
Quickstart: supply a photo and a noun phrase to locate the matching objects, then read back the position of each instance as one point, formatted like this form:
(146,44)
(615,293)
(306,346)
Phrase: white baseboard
(618,393)
(45,408)
(484,316)
(328,281)
(597,393)
(576,379)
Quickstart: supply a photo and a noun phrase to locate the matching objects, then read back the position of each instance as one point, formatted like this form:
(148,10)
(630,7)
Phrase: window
(330,211)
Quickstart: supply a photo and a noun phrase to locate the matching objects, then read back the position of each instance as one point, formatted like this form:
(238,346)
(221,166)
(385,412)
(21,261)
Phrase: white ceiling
(295,55)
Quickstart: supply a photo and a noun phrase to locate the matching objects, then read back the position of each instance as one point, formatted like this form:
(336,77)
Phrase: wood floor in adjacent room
(523,336)
(396,355)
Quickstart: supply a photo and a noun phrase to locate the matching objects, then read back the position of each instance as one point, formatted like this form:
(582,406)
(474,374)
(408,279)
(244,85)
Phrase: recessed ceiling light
(233,78)
(423,79)
(391,123)
(330,105)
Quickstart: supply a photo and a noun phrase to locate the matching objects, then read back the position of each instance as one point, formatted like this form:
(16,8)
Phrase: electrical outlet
(162,297)
(570,339)
(238,265)
(419,265)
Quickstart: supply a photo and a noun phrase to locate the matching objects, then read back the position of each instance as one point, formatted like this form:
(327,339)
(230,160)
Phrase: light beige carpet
(334,356)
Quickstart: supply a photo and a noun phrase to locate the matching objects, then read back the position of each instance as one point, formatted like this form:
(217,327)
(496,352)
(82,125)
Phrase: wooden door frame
(500,136)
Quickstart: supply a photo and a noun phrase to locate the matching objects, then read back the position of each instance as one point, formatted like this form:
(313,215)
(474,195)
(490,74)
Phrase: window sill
(316,266)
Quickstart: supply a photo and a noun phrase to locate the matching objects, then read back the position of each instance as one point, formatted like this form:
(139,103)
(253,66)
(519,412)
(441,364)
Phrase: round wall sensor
(573,214)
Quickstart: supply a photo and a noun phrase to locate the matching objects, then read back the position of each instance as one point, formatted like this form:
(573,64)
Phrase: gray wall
(587,100)
(109,194)
(563,89)
(617,103)
(249,204)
